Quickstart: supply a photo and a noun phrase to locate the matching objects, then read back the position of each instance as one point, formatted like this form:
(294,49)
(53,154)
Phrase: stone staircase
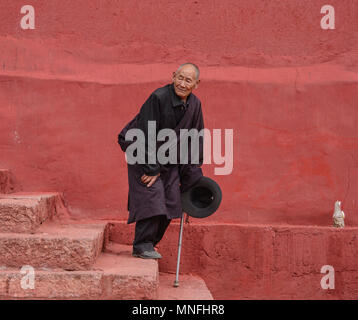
(72,259)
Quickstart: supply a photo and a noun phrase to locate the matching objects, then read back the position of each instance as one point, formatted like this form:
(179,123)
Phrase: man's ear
(197,83)
(173,76)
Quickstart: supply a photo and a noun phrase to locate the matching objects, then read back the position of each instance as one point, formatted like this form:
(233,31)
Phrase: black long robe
(163,197)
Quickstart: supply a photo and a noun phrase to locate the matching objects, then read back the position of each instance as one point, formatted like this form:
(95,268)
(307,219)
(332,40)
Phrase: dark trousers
(148,232)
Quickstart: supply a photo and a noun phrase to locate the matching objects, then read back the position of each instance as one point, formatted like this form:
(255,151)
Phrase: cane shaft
(176,282)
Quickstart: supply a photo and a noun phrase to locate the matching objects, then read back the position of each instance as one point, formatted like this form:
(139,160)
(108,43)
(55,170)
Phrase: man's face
(185,81)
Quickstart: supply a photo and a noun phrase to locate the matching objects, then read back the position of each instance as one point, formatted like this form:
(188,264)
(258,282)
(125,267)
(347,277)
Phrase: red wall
(286,87)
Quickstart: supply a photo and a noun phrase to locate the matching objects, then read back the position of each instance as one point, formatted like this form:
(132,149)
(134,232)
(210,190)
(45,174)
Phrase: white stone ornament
(338,215)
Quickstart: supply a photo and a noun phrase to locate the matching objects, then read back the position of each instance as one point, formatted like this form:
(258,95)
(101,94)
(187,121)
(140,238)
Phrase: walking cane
(176,282)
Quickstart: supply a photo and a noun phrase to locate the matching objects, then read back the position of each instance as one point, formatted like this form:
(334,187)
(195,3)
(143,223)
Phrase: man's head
(186,79)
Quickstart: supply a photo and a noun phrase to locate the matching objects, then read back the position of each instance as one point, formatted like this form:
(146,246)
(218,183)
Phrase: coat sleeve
(199,125)
(150,111)
(122,135)
(190,174)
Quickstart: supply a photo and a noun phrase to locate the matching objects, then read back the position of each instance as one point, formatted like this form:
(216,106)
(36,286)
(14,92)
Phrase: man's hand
(149,179)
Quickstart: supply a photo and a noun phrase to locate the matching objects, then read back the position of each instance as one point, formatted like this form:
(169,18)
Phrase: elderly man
(154,188)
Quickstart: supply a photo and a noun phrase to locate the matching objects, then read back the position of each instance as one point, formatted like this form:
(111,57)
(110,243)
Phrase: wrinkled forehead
(187,71)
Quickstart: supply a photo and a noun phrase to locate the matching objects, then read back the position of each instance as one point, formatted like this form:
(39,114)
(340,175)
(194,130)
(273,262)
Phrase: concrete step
(70,247)
(115,275)
(26,211)
(6,185)
(190,287)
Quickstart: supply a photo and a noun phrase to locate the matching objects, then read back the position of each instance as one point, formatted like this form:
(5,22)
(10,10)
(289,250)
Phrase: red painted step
(115,275)
(190,287)
(26,211)
(70,247)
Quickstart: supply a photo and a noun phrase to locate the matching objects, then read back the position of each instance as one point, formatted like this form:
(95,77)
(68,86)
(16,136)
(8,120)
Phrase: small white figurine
(338,215)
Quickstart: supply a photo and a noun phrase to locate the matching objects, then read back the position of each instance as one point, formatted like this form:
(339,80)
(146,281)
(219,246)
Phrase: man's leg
(163,225)
(146,231)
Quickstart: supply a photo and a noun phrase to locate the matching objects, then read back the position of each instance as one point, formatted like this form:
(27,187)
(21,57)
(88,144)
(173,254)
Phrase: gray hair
(197,71)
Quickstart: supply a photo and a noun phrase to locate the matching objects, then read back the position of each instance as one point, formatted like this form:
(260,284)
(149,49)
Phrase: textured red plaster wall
(288,88)
(215,32)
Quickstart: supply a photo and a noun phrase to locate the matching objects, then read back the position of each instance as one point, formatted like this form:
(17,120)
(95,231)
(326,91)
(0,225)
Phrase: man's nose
(182,83)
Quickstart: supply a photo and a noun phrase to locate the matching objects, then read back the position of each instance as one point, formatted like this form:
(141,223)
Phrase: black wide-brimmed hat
(202,199)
